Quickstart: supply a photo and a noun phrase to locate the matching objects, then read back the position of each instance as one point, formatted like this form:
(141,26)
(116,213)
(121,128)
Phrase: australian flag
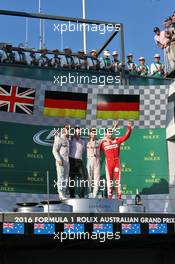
(131,229)
(44,229)
(158,229)
(103,228)
(73,228)
(13,228)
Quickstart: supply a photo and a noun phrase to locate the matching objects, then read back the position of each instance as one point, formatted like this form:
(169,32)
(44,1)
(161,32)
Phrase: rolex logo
(6,137)
(6,160)
(5,183)
(35,174)
(123,165)
(152,153)
(124,188)
(153,176)
(35,151)
(150,132)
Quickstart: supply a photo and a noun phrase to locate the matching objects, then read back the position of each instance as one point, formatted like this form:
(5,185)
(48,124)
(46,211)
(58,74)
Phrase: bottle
(137,198)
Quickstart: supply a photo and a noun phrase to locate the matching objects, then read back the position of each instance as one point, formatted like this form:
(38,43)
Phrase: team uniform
(79,61)
(93,165)
(67,60)
(93,63)
(56,62)
(157,69)
(112,153)
(116,65)
(143,70)
(43,61)
(105,63)
(77,148)
(61,153)
(132,68)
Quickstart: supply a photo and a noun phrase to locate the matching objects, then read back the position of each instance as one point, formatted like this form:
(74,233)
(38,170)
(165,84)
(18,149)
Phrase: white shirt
(66,60)
(93,149)
(91,62)
(78,61)
(155,67)
(77,147)
(61,148)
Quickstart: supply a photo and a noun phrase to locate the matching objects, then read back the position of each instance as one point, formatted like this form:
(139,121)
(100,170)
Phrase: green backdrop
(23,162)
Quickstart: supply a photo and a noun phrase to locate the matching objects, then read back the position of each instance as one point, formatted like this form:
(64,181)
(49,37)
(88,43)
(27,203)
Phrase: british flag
(17,99)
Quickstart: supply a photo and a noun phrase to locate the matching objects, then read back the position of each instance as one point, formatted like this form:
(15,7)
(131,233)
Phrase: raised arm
(126,136)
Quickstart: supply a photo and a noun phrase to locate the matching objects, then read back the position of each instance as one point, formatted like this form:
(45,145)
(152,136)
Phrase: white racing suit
(93,165)
(61,153)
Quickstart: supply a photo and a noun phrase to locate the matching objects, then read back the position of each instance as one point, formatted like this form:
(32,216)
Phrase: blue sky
(138,16)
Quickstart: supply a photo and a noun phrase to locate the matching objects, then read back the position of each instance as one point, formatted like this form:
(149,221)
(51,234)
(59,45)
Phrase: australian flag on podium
(131,229)
(158,229)
(73,228)
(103,228)
(44,229)
(13,228)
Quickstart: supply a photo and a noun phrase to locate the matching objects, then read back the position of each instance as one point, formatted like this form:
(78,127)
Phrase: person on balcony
(56,60)
(43,61)
(142,69)
(8,56)
(116,64)
(157,68)
(21,56)
(105,63)
(161,38)
(173,20)
(130,65)
(93,61)
(33,61)
(81,60)
(67,60)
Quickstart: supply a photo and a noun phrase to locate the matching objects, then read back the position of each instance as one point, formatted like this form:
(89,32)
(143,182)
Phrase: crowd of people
(80,60)
(165,39)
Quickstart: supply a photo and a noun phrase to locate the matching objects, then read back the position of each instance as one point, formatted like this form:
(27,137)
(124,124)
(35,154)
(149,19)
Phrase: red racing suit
(111,150)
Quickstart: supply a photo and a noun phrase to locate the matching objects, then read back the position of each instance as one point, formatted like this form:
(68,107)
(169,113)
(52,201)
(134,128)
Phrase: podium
(93,205)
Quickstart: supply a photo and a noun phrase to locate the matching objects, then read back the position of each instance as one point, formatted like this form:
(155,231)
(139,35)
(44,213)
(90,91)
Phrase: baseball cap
(156,29)
(130,55)
(115,53)
(156,55)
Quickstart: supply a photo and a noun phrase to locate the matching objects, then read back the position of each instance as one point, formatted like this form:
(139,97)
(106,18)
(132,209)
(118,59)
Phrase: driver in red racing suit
(111,148)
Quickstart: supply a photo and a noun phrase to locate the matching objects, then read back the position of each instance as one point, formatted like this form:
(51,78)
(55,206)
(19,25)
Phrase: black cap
(156,29)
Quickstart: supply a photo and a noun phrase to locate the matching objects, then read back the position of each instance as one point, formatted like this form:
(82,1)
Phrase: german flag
(65,104)
(112,106)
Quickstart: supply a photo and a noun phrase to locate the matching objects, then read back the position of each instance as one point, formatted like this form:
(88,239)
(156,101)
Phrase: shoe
(90,195)
(62,197)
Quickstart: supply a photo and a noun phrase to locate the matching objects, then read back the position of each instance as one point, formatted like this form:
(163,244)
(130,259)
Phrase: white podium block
(131,208)
(93,205)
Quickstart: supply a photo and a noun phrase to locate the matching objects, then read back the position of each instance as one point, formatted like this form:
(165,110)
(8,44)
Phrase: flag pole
(43,36)
(27,26)
(84,25)
(40,26)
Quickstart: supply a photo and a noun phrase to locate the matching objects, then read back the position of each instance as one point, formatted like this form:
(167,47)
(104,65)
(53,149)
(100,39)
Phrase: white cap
(141,58)
(106,53)
(114,53)
(93,50)
(157,55)
(130,54)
